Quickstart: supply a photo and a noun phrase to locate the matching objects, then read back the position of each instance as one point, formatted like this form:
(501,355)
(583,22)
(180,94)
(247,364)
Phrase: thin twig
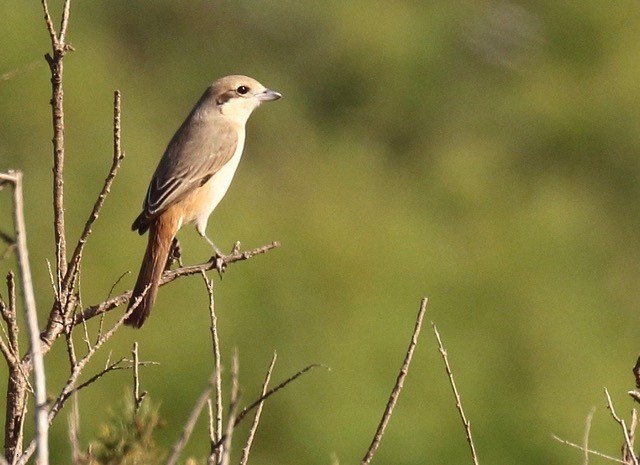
(217,383)
(625,432)
(273,390)
(191,423)
(233,404)
(463,417)
(256,419)
(137,397)
(70,386)
(74,429)
(632,433)
(42,425)
(585,436)
(589,451)
(118,156)
(397,388)
(54,330)
(211,460)
(243,413)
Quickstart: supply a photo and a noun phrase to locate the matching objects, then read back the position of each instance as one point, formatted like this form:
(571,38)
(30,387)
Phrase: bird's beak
(268,95)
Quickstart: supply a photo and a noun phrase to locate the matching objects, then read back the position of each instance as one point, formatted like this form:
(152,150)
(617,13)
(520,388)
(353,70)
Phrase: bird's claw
(220,264)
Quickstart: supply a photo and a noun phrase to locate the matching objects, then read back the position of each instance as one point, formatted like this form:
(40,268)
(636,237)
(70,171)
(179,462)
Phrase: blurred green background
(482,153)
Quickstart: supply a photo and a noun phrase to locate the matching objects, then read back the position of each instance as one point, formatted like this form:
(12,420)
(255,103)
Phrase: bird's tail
(161,233)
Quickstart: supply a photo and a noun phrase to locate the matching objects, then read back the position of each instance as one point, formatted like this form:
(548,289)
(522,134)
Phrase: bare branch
(589,451)
(256,419)
(216,426)
(233,404)
(463,417)
(625,432)
(73,421)
(137,397)
(118,156)
(273,390)
(42,425)
(397,388)
(191,422)
(585,436)
(59,48)
(70,386)
(54,331)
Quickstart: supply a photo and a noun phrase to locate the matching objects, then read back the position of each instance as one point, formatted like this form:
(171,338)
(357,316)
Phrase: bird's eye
(242,90)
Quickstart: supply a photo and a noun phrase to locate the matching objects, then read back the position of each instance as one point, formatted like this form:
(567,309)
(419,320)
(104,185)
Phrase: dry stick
(18,384)
(465,422)
(118,156)
(273,390)
(191,423)
(397,388)
(51,335)
(137,397)
(621,422)
(42,425)
(233,404)
(628,452)
(590,451)
(59,49)
(256,419)
(211,460)
(216,427)
(70,386)
(74,427)
(261,399)
(585,436)
(9,316)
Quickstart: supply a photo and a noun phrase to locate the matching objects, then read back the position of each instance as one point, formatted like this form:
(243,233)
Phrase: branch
(168,277)
(118,156)
(59,48)
(589,451)
(70,386)
(42,425)
(233,405)
(191,422)
(256,419)
(397,388)
(625,432)
(463,417)
(215,426)
(273,390)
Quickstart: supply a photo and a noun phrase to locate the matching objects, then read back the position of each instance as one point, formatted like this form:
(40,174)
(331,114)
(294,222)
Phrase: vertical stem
(14,423)
(57,114)
(41,413)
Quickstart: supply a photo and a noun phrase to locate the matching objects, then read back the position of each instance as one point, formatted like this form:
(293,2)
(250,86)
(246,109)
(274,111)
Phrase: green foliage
(127,437)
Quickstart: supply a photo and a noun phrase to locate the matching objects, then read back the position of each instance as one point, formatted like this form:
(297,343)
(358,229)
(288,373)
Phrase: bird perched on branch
(192,177)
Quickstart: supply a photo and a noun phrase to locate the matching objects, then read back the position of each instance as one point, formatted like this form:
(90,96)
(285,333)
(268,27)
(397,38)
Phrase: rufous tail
(161,234)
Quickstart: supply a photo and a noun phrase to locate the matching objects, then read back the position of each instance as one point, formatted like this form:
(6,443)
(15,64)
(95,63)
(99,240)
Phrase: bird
(192,177)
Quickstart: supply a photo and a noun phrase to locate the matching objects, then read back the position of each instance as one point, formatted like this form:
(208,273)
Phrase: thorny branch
(397,388)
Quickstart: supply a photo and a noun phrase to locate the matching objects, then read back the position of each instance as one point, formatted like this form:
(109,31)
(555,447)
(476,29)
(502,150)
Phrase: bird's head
(237,96)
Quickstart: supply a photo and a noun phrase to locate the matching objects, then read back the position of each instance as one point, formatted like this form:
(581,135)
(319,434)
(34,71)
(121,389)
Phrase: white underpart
(217,186)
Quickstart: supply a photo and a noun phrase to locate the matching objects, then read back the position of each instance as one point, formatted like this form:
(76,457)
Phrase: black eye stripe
(242,90)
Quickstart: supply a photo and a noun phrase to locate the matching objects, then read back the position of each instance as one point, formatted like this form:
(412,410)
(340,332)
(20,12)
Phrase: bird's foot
(175,254)
(220,264)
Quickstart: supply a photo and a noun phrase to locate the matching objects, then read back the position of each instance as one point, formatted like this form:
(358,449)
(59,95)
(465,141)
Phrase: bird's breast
(205,199)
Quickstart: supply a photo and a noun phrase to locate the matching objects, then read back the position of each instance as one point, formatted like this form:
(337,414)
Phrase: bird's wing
(196,152)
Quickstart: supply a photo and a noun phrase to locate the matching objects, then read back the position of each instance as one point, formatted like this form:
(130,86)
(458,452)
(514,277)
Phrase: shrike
(193,176)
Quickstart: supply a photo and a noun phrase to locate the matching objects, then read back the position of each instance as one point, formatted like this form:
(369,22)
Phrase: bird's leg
(218,257)
(175,254)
